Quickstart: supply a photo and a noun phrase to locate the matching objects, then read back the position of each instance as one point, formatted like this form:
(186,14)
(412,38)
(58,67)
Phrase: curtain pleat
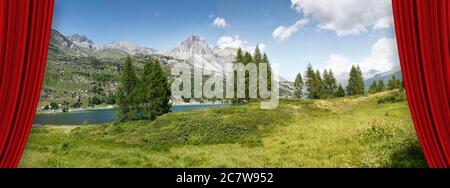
(423,30)
(25,27)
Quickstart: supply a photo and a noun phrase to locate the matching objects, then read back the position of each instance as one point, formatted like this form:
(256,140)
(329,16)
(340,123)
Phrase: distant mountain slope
(385,76)
(78,68)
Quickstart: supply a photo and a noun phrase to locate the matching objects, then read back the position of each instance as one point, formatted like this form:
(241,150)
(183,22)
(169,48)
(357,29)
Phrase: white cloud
(382,59)
(235,42)
(231,42)
(220,22)
(282,33)
(347,17)
(384,23)
(338,63)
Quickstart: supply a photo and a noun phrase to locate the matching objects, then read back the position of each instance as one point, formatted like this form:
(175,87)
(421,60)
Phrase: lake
(99,116)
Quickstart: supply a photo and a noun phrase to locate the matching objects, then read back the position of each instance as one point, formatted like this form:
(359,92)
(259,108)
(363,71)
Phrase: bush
(394,97)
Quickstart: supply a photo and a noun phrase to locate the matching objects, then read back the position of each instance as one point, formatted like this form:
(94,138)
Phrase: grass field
(366,131)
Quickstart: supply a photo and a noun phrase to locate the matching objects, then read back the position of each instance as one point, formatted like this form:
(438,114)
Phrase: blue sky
(162,24)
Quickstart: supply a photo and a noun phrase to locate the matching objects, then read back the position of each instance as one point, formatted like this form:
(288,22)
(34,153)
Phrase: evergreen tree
(330,84)
(154,91)
(373,87)
(127,94)
(360,82)
(340,91)
(313,83)
(355,82)
(298,86)
(247,60)
(393,83)
(239,59)
(381,86)
(320,85)
(257,59)
(269,72)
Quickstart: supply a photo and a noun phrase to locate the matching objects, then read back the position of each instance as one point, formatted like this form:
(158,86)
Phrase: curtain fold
(25,27)
(423,39)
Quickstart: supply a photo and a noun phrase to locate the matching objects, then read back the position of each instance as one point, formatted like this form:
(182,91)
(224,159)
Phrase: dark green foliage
(111,99)
(298,86)
(373,87)
(95,100)
(381,86)
(65,106)
(54,106)
(127,94)
(313,83)
(330,84)
(340,91)
(256,59)
(239,59)
(269,72)
(397,96)
(355,82)
(154,91)
(393,83)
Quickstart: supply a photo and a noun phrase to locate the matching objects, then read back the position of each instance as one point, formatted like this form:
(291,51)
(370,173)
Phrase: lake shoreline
(112,107)
(100,115)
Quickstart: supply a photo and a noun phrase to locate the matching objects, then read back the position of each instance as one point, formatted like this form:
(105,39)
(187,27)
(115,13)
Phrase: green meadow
(367,131)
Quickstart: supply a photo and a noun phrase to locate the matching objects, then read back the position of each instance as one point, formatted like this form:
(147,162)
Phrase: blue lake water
(99,116)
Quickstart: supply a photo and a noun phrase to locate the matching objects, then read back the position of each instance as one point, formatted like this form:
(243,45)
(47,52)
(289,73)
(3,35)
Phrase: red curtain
(25,27)
(423,38)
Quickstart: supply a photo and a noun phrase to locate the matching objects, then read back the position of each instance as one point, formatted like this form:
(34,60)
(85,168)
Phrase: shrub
(394,97)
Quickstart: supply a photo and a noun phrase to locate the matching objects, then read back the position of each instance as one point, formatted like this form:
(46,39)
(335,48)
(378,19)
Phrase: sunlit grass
(347,132)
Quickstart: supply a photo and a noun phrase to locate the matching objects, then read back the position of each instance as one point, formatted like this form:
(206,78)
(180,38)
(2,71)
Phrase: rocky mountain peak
(127,47)
(82,41)
(196,45)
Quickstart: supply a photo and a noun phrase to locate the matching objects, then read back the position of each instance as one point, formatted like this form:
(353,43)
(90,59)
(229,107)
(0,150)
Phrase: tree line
(317,85)
(145,97)
(246,58)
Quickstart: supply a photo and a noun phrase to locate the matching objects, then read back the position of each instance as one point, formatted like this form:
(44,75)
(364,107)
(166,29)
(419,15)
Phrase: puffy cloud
(220,22)
(231,42)
(282,33)
(235,42)
(347,17)
(382,59)
(338,63)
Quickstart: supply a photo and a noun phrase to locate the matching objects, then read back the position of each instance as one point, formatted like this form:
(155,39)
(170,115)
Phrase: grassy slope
(348,132)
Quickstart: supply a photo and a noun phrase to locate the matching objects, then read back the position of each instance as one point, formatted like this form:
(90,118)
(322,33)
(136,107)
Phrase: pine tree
(239,59)
(127,94)
(360,89)
(313,83)
(154,91)
(320,85)
(373,87)
(298,86)
(355,82)
(269,72)
(257,59)
(330,84)
(340,91)
(381,86)
(393,83)
(247,60)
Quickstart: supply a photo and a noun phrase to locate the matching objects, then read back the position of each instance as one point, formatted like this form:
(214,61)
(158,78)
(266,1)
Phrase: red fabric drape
(25,27)
(423,38)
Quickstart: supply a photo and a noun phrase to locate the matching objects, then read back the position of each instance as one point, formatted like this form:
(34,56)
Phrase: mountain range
(75,63)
